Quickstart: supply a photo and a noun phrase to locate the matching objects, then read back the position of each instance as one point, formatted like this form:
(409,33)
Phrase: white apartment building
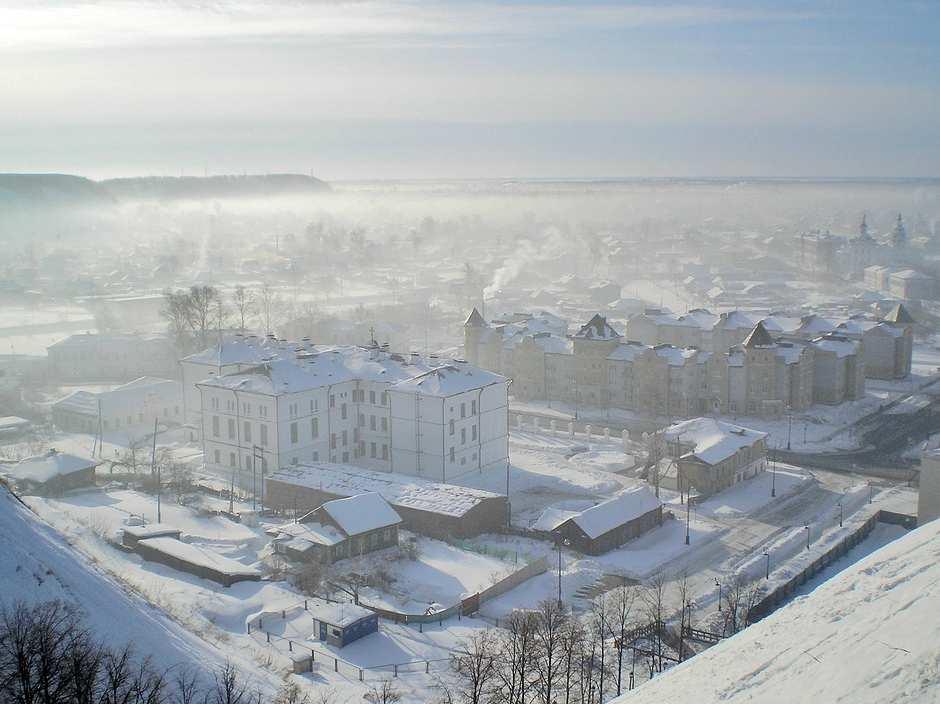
(354,405)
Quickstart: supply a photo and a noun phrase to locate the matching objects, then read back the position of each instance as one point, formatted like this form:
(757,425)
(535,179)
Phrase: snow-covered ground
(870,634)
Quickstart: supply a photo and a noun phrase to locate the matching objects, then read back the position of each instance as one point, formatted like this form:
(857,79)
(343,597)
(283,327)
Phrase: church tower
(472,332)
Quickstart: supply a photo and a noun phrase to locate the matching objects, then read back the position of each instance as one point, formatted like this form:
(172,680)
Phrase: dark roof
(475,320)
(759,337)
(899,314)
(597,329)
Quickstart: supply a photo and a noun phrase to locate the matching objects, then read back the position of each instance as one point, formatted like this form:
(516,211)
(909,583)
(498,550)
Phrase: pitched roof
(613,513)
(475,320)
(759,337)
(361,513)
(899,314)
(597,328)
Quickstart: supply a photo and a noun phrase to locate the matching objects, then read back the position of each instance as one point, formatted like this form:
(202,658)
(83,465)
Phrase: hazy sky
(391,89)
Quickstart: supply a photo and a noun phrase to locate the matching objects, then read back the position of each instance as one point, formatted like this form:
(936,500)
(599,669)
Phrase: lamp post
(806,528)
(840,513)
(767,570)
(773,474)
(688,518)
(789,425)
(870,492)
(718,584)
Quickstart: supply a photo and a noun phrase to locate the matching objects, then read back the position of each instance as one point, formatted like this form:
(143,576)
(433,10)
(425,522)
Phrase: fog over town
(423,352)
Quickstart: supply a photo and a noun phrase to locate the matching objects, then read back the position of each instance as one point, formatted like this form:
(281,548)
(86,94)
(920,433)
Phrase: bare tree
(654,602)
(620,607)
(290,693)
(268,300)
(203,310)
(570,645)
(550,623)
(383,694)
(683,594)
(175,311)
(243,300)
(230,688)
(517,651)
(475,662)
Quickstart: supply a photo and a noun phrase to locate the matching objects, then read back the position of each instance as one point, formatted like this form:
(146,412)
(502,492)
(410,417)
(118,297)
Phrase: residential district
(348,512)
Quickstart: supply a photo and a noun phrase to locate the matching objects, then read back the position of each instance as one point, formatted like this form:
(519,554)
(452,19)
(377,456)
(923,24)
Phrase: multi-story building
(91,357)
(354,405)
(761,373)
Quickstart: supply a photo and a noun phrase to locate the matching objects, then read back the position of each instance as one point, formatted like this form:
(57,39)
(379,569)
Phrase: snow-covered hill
(870,634)
(36,564)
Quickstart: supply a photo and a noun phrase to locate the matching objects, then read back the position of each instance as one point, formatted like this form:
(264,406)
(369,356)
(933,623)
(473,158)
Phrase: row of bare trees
(193,314)
(49,656)
(549,655)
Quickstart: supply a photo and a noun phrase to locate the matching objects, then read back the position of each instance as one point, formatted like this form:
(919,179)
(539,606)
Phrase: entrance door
(322,631)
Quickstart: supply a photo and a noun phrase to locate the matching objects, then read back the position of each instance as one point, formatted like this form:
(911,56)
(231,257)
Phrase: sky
(391,89)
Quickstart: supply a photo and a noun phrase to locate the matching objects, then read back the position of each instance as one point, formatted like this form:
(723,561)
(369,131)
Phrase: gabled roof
(50,465)
(597,328)
(474,320)
(899,314)
(362,513)
(758,337)
(608,515)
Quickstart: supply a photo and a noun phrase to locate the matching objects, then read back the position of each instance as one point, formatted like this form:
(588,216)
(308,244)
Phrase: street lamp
(767,570)
(840,513)
(806,528)
(773,474)
(870,492)
(789,425)
(718,584)
(688,517)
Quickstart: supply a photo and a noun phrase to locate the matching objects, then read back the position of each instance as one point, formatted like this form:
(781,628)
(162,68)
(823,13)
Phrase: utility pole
(789,425)
(773,474)
(154,472)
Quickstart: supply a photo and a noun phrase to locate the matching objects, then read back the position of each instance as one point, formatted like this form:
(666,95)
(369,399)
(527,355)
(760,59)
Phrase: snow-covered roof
(735,320)
(311,369)
(151,530)
(85,339)
(311,532)
(399,490)
(341,615)
(909,274)
(712,440)
(12,423)
(86,402)
(246,349)
(623,508)
(675,356)
(627,351)
(53,464)
(867,635)
(361,513)
(815,325)
(450,379)
(840,346)
(199,556)
(551,518)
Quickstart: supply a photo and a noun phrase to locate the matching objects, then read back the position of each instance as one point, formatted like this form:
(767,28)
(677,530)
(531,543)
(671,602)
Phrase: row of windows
(141,418)
(463,432)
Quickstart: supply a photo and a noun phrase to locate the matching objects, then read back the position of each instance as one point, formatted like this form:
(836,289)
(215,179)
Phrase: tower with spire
(899,233)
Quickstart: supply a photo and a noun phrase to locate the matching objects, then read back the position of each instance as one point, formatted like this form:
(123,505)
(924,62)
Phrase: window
(246,409)
(463,436)
(345,438)
(451,454)
(362,420)
(372,397)
(384,425)
(371,422)
(130,421)
(215,426)
(372,450)
(345,457)
(314,428)
(312,405)
(247,431)
(231,428)
(216,457)
(473,432)
(264,434)
(384,452)
(332,441)
(263,411)
(451,427)
(231,459)
(316,456)
(293,460)
(293,433)
(332,400)
(215,403)
(176,410)
(342,411)
(463,410)
(473,408)
(385,398)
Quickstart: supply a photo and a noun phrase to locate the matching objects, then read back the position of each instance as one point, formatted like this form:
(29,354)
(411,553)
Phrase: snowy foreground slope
(870,634)
(36,564)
